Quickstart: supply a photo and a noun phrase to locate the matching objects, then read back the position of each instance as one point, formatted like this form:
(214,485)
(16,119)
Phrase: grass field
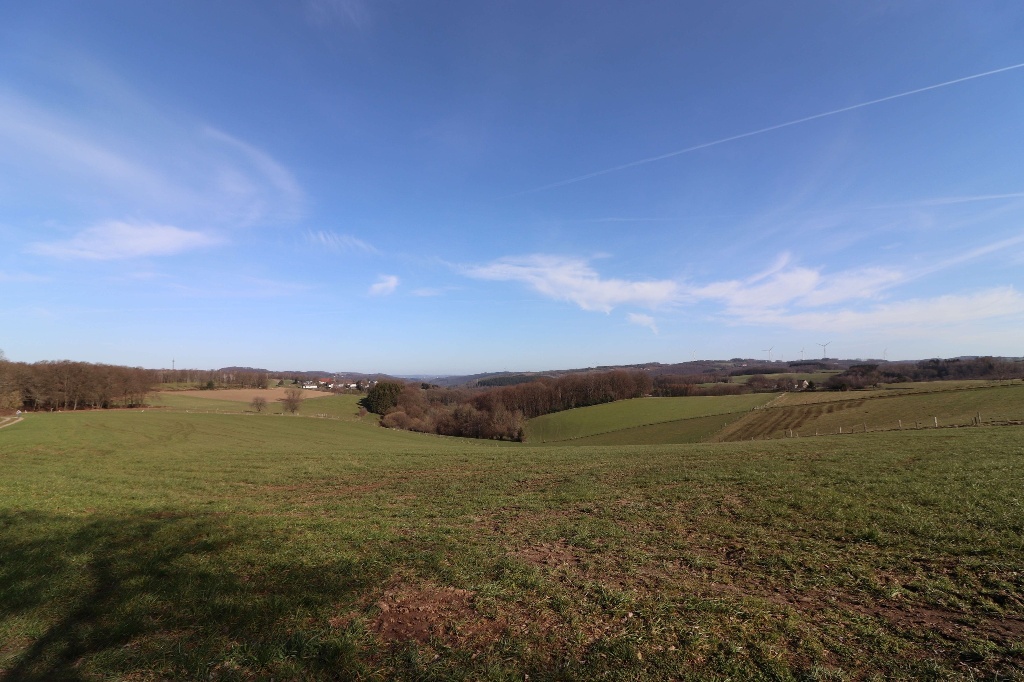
(692,430)
(171,545)
(881,410)
(629,414)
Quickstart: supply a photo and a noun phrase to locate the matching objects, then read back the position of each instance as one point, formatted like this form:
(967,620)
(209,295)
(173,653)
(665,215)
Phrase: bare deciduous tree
(292,400)
(258,403)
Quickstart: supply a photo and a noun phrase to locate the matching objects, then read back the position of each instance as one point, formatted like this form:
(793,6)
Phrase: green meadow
(796,377)
(168,544)
(654,421)
(628,414)
(807,414)
(689,430)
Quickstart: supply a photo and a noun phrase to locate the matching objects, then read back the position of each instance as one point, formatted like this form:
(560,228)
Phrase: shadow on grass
(173,595)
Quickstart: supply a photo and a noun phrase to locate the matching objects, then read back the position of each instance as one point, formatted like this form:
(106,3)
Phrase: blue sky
(455,187)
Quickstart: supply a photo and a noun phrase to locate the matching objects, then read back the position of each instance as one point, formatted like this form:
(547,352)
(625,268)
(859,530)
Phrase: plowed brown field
(246,395)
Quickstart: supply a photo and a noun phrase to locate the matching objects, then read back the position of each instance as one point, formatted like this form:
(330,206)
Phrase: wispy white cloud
(140,276)
(643,321)
(427,292)
(785,284)
(160,164)
(237,287)
(45,142)
(269,172)
(573,280)
(785,294)
(923,315)
(340,243)
(21,277)
(973,254)
(772,128)
(118,240)
(384,286)
(329,12)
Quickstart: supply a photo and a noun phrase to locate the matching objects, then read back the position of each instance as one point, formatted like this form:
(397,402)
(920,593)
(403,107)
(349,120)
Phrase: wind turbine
(824,352)
(885,355)
(769,351)
(801,354)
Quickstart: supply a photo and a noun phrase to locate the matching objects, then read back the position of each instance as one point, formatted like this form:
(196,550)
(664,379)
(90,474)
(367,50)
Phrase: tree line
(499,412)
(68,385)
(214,378)
(868,374)
(678,385)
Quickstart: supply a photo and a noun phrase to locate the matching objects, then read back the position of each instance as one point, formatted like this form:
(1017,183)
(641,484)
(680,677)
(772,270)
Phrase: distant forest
(494,407)
(67,385)
(866,375)
(499,412)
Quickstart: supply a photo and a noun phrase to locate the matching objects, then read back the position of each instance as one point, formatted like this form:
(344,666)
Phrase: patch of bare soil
(425,612)
(558,554)
(952,625)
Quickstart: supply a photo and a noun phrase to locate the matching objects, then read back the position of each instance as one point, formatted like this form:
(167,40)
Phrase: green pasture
(626,414)
(946,385)
(171,545)
(880,410)
(692,430)
(180,401)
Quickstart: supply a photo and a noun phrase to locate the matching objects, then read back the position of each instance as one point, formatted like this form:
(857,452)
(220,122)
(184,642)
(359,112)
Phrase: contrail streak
(769,129)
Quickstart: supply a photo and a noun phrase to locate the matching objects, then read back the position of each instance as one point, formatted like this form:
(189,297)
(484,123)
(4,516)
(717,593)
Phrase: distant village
(329,384)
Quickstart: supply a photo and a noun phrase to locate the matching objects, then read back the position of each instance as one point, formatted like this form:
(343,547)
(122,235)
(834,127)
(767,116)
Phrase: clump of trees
(757,369)
(671,385)
(967,368)
(229,377)
(68,385)
(507,380)
(861,376)
(677,385)
(292,400)
(867,375)
(760,383)
(383,396)
(500,412)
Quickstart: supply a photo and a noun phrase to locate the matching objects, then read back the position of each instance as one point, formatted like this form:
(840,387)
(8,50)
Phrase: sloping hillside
(629,414)
(880,410)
